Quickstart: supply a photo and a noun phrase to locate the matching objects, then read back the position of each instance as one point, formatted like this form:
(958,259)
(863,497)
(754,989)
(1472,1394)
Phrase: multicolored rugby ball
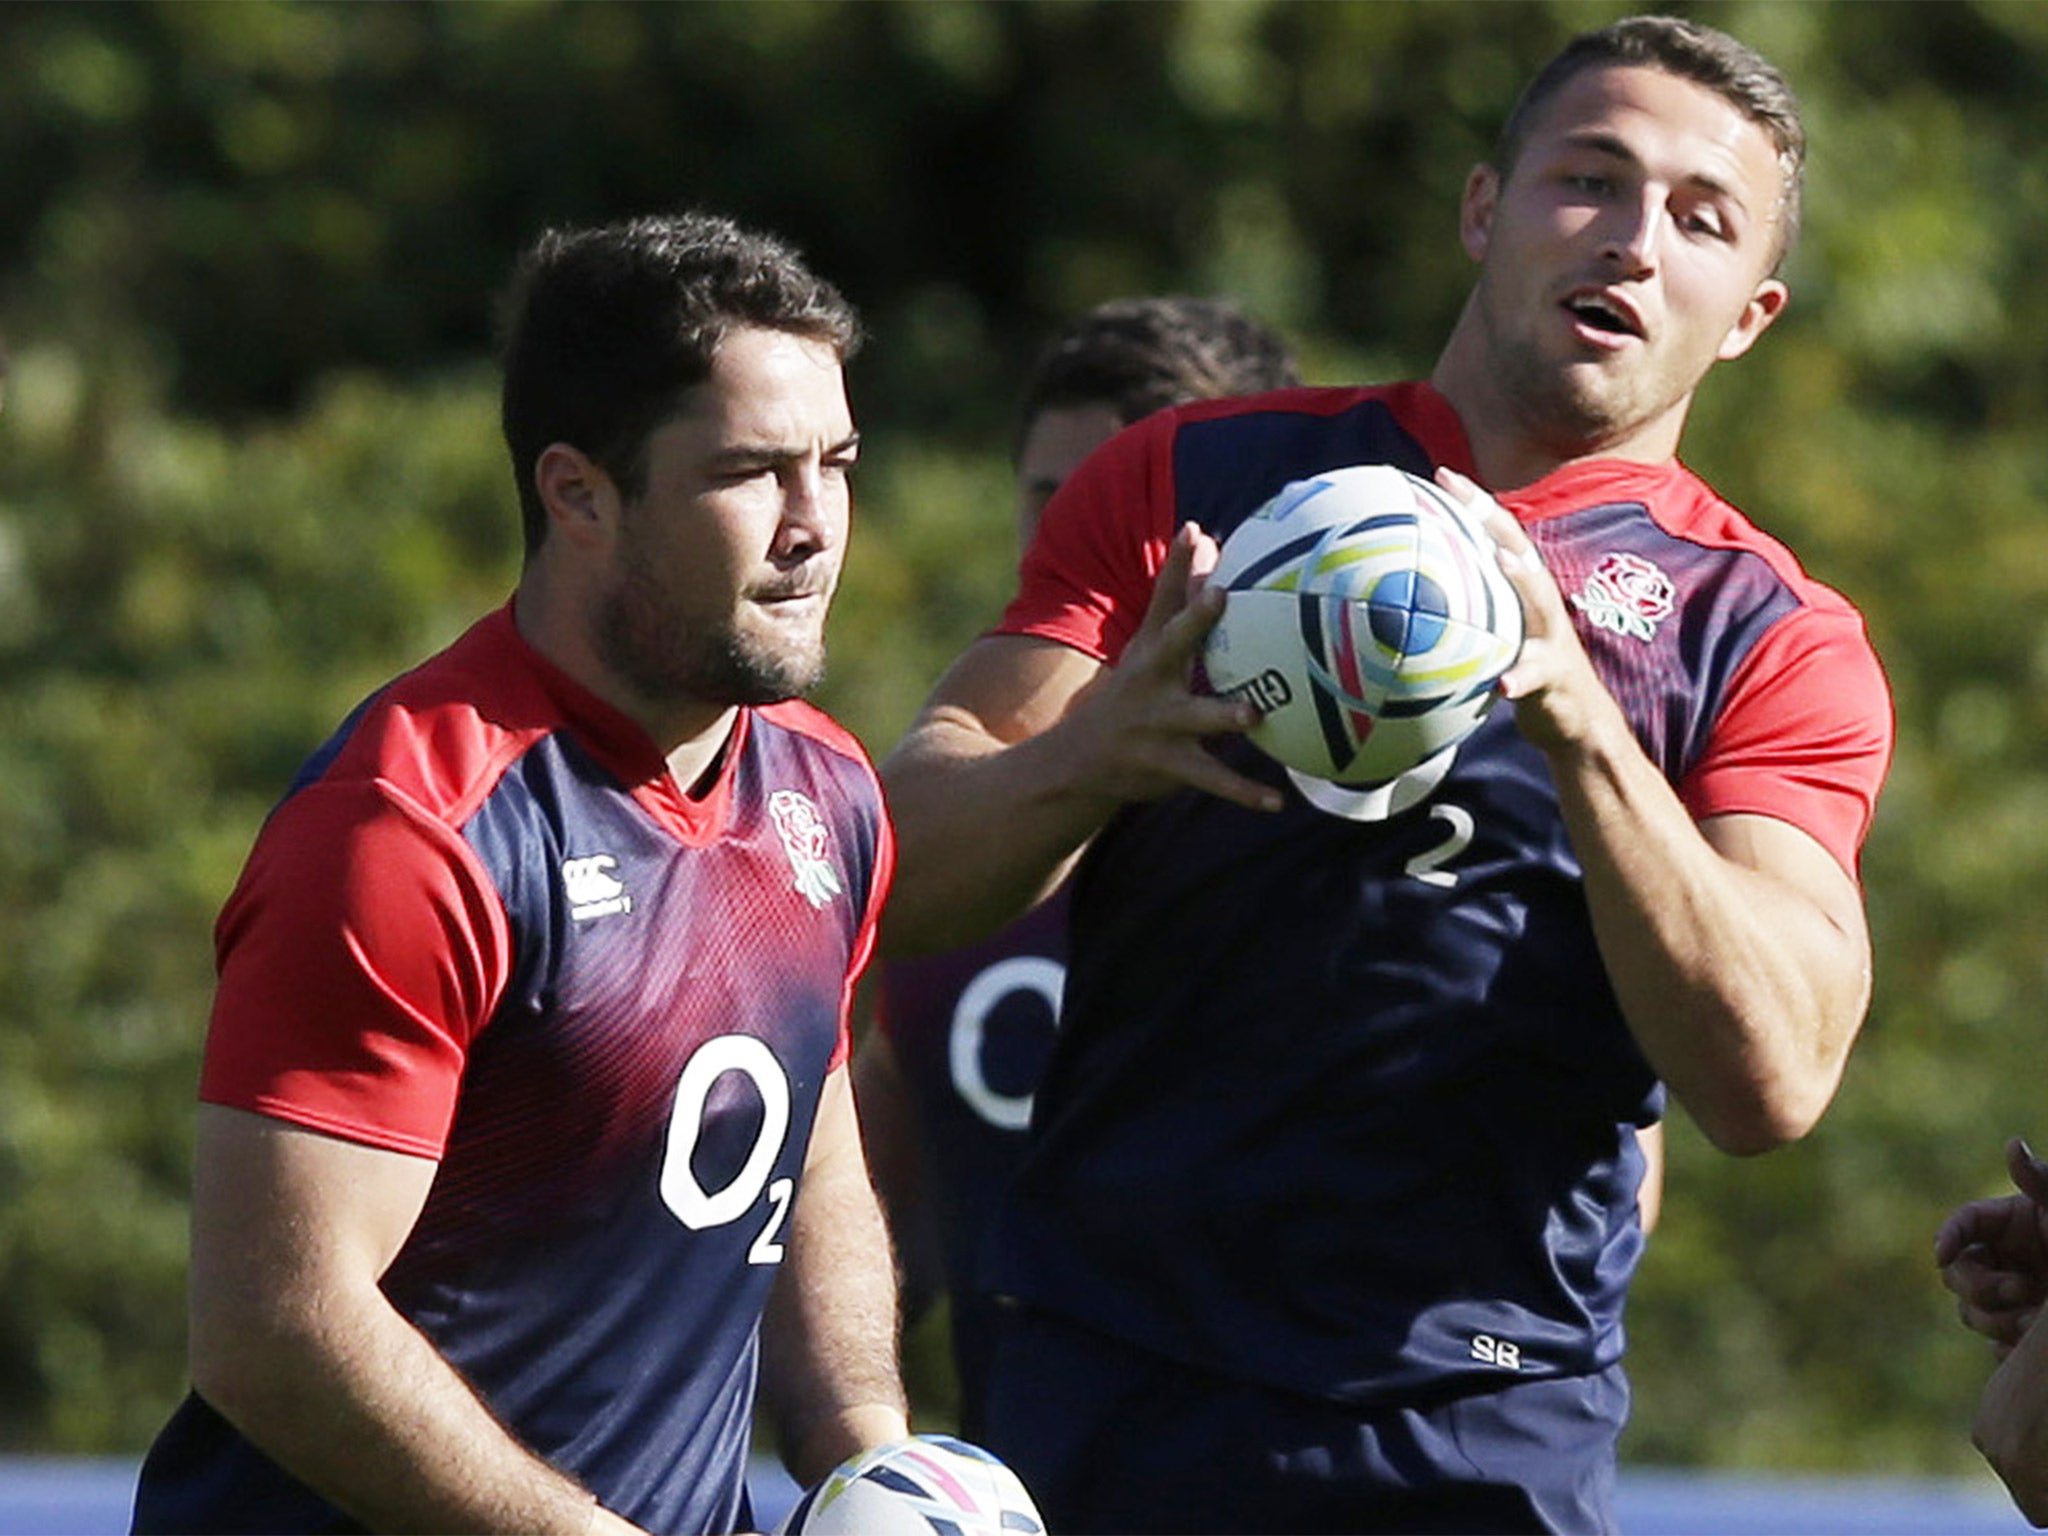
(927,1485)
(1368,619)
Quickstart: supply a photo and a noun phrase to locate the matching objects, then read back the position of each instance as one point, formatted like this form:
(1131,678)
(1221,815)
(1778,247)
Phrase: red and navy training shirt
(485,927)
(1342,1099)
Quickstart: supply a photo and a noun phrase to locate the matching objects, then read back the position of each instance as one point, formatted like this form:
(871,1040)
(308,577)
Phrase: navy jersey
(487,928)
(971,1030)
(1342,1101)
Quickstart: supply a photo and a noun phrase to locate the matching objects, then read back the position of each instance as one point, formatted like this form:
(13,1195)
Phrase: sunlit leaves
(248,468)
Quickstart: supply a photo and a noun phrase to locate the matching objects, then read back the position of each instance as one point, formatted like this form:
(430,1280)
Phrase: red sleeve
(360,955)
(864,944)
(1087,577)
(1807,734)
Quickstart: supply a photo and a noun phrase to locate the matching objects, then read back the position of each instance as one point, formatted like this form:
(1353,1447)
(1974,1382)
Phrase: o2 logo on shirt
(699,1208)
(967,1038)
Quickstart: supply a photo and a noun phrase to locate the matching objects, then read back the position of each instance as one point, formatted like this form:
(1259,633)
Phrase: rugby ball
(1367,618)
(927,1485)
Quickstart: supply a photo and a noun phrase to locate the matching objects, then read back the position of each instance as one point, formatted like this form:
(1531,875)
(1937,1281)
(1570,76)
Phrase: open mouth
(1600,314)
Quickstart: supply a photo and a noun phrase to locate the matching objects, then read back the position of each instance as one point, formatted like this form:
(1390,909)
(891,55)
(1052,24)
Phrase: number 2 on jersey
(1428,865)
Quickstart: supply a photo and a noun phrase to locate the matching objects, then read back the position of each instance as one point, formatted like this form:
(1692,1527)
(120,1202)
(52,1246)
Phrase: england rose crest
(804,839)
(1626,594)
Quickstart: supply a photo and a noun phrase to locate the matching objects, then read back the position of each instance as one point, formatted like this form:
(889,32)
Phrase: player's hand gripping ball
(927,1485)
(1368,619)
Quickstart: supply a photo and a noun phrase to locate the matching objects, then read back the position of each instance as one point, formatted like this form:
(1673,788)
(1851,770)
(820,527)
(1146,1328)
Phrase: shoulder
(1087,577)
(1209,456)
(1411,399)
(441,737)
(1368,422)
(1695,510)
(1670,513)
(1413,408)
(1813,619)
(800,744)
(811,723)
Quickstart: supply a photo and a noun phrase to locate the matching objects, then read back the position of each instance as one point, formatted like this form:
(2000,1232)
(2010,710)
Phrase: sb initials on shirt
(1488,1350)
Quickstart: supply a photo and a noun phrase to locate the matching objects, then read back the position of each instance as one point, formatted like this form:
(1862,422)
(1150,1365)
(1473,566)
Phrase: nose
(813,511)
(1634,230)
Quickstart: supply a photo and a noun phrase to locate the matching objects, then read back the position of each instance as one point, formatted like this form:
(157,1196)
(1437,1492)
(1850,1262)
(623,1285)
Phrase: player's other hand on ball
(926,1485)
(1560,701)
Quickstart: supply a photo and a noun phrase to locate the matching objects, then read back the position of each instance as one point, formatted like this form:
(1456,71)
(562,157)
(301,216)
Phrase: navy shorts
(1111,1438)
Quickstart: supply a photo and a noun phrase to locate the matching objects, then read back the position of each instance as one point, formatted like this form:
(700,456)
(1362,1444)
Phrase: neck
(690,736)
(694,764)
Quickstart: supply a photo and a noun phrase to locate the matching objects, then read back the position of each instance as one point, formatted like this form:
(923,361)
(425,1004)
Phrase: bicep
(1797,864)
(282,1215)
(1008,688)
(835,1134)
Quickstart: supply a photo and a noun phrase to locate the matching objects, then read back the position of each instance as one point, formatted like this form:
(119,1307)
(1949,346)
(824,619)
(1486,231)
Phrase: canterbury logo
(591,888)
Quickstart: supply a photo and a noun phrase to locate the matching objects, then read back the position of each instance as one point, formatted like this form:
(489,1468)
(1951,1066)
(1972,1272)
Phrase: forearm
(889,1130)
(359,1406)
(1737,946)
(1744,993)
(295,1344)
(829,1336)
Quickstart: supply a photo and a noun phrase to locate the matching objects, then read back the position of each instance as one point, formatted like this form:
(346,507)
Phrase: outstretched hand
(1141,725)
(1994,1253)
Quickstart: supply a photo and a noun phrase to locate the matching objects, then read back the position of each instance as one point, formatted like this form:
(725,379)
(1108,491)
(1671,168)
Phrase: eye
(1590,182)
(1708,223)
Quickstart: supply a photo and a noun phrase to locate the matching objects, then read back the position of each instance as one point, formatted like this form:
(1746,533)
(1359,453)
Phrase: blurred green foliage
(249,468)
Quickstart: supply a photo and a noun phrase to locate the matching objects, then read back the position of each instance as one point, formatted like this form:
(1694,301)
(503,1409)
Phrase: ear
(1475,210)
(1764,306)
(582,502)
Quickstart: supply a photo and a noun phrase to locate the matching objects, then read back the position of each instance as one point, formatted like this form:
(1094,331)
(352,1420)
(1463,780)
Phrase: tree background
(249,467)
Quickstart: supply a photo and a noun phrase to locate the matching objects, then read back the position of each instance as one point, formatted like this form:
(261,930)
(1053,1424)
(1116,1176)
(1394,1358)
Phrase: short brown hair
(1731,69)
(606,327)
(1137,356)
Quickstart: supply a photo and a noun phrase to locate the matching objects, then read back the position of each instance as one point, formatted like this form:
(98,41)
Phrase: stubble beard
(666,659)
(1573,410)
(1559,406)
